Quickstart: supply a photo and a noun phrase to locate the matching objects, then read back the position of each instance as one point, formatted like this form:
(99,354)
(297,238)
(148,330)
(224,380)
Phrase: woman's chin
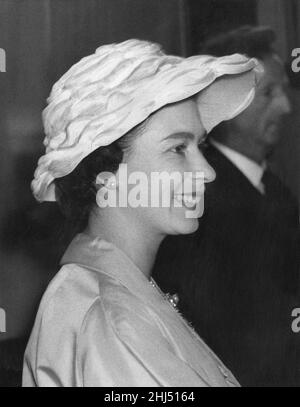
(185,227)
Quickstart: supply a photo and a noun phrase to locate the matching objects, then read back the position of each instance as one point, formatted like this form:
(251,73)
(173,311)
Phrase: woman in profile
(103,321)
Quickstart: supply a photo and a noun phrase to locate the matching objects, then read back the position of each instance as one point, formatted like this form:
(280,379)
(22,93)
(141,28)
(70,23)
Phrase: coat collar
(104,257)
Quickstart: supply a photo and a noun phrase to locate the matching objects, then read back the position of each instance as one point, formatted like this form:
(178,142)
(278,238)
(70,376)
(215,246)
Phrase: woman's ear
(107,192)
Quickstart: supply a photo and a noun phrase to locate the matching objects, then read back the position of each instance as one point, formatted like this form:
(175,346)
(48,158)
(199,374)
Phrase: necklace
(173,301)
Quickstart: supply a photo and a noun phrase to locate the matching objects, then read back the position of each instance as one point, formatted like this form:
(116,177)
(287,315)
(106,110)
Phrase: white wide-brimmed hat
(106,94)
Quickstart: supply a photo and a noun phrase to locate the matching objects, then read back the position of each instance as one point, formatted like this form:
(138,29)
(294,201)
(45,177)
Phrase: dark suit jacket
(238,276)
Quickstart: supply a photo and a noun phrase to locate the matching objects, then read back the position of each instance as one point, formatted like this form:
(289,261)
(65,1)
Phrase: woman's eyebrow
(180,135)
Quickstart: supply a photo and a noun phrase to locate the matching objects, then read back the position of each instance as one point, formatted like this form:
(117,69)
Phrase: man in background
(237,277)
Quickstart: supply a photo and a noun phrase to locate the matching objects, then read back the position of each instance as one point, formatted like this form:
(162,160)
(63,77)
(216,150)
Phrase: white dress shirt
(251,169)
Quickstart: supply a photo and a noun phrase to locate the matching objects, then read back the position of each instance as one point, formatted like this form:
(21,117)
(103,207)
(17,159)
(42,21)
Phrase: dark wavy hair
(76,192)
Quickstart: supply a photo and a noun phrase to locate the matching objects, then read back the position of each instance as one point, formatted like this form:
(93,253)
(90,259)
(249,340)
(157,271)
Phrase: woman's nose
(206,170)
(209,173)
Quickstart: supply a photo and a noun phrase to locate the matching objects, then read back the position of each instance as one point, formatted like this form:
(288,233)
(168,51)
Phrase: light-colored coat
(101,323)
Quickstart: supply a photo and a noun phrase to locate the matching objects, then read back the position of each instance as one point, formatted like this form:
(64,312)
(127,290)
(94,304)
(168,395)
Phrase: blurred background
(42,39)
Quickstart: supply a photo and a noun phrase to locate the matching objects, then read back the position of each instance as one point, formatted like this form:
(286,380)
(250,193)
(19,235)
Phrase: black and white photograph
(150,196)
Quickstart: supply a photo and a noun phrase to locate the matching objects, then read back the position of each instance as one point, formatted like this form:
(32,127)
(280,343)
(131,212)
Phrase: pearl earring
(107,180)
(110,183)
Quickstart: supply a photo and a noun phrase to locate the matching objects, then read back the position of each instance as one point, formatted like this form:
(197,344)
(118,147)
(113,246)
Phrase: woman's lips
(189,201)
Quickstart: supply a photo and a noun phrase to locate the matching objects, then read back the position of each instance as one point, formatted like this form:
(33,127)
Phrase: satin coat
(101,323)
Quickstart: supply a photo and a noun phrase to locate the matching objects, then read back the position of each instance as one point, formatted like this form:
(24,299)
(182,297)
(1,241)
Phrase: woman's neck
(133,238)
